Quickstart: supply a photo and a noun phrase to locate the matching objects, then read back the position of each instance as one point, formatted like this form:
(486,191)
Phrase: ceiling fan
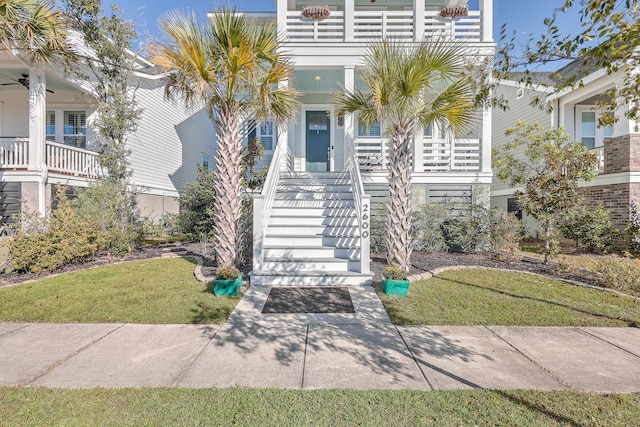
(24,81)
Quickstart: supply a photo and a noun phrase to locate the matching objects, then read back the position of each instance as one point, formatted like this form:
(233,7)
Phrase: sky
(523,17)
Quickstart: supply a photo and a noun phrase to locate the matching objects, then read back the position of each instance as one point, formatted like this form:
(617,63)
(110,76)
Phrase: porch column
(349,85)
(485,141)
(418,151)
(418,20)
(486,20)
(281,17)
(349,12)
(37,135)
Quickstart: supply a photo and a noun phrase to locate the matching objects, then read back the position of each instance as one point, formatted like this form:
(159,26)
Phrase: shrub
(633,229)
(469,232)
(67,237)
(506,233)
(619,273)
(196,217)
(377,241)
(227,272)
(427,227)
(394,272)
(114,214)
(589,228)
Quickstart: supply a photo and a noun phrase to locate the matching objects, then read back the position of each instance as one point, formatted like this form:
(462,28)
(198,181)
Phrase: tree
(110,66)
(34,26)
(234,69)
(409,87)
(548,166)
(608,40)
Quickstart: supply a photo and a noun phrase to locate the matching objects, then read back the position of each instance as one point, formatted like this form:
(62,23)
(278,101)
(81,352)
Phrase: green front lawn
(147,291)
(256,407)
(487,297)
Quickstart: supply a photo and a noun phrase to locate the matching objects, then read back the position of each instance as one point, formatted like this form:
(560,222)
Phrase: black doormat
(308,300)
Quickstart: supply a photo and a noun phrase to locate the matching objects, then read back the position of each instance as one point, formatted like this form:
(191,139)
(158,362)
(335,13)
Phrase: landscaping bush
(633,229)
(469,232)
(118,223)
(619,273)
(427,227)
(506,233)
(591,229)
(196,217)
(377,242)
(66,237)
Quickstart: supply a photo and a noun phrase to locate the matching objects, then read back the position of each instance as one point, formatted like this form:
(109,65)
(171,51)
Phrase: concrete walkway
(361,350)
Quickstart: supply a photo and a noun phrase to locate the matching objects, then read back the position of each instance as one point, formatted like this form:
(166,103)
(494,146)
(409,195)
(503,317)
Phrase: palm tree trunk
(227,195)
(398,236)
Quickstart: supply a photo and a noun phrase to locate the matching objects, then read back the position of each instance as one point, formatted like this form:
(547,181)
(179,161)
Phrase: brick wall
(622,154)
(615,198)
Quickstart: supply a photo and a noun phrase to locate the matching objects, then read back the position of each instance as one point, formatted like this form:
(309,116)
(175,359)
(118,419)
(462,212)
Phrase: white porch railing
(263,202)
(374,25)
(437,155)
(600,153)
(363,205)
(14,153)
(300,28)
(72,160)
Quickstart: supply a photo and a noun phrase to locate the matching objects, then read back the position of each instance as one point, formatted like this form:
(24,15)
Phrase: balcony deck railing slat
(372,25)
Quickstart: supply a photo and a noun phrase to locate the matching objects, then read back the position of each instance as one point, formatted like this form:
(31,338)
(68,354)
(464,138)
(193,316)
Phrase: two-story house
(575,109)
(312,220)
(46,138)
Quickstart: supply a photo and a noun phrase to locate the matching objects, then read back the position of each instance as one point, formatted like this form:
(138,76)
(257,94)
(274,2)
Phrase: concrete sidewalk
(361,350)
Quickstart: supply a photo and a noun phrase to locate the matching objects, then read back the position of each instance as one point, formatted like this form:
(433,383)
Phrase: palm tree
(235,69)
(408,87)
(34,26)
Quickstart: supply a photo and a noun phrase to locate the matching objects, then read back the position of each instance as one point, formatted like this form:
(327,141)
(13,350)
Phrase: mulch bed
(420,262)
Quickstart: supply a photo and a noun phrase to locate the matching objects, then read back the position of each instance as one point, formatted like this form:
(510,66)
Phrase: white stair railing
(362,202)
(263,202)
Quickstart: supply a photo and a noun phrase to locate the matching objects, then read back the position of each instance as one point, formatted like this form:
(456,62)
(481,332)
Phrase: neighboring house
(46,138)
(618,146)
(311,223)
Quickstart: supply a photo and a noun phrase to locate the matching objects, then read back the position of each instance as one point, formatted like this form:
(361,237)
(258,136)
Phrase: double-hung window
(265,134)
(75,128)
(371,131)
(590,135)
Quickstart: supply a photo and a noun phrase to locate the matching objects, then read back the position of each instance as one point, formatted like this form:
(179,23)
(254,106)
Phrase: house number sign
(365,220)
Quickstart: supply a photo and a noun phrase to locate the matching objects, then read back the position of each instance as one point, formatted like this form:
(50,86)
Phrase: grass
(250,407)
(486,297)
(148,291)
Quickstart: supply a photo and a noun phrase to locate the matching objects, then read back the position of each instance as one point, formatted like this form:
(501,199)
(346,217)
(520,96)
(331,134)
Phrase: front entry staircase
(312,235)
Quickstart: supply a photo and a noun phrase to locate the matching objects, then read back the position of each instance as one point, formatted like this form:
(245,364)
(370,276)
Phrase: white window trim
(600,134)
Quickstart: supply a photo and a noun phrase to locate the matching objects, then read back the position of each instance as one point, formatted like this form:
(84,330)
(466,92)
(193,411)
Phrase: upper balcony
(362,21)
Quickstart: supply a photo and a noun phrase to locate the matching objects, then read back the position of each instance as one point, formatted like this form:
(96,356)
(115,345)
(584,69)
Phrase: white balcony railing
(437,155)
(375,25)
(14,154)
(71,160)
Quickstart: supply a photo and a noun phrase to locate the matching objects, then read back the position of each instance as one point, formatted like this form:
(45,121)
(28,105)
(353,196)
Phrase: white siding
(519,109)
(169,143)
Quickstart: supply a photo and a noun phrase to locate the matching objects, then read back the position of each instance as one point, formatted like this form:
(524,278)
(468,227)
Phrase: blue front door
(318,141)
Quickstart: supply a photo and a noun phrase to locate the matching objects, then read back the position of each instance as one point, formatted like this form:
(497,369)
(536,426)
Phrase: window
(75,128)
(50,126)
(590,135)
(264,133)
(371,131)
(205,162)
(434,130)
(512,206)
(588,128)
